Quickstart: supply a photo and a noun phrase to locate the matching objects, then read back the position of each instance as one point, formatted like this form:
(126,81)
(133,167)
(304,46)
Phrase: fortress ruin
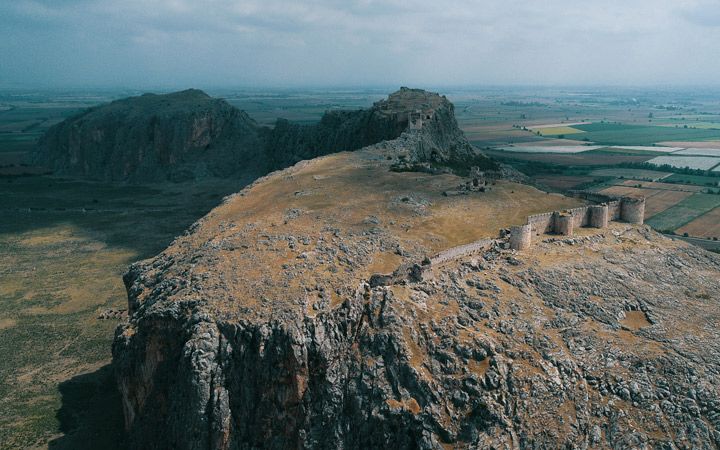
(598,215)
(626,209)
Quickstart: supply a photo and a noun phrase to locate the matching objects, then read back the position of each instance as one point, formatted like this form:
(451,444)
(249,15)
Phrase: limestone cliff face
(259,329)
(499,353)
(423,121)
(154,138)
(188,135)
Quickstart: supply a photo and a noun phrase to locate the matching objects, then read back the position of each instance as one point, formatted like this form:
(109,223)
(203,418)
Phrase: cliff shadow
(114,213)
(90,415)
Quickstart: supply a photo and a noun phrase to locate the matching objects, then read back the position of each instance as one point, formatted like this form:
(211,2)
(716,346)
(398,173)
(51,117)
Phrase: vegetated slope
(176,136)
(188,135)
(257,329)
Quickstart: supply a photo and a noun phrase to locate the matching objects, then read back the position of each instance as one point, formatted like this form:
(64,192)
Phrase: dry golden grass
(7,323)
(634,320)
(66,263)
(343,192)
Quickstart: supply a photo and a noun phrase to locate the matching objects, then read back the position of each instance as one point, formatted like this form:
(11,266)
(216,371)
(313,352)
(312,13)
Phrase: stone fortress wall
(462,250)
(606,209)
(626,209)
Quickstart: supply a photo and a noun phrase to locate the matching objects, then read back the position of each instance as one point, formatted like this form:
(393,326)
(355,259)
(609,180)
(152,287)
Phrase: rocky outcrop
(421,126)
(257,329)
(177,136)
(188,135)
(553,367)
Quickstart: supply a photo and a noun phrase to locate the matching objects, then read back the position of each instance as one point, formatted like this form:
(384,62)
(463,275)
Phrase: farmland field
(692,162)
(656,200)
(561,182)
(706,226)
(647,148)
(557,131)
(700,180)
(627,191)
(549,149)
(662,186)
(695,144)
(575,159)
(659,201)
(684,212)
(623,134)
(637,174)
(699,152)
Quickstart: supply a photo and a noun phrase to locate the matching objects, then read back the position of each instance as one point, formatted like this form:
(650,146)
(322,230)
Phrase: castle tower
(599,216)
(415,120)
(520,237)
(564,224)
(632,210)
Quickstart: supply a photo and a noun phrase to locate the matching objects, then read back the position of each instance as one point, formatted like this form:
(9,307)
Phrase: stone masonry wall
(461,250)
(631,210)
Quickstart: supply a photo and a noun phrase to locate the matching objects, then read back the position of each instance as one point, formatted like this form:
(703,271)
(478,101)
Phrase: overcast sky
(178,43)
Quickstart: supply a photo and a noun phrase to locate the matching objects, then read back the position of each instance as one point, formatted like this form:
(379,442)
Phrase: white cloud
(361,41)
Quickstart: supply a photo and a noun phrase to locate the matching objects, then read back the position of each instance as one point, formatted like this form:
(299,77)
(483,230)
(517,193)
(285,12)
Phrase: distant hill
(190,135)
(152,137)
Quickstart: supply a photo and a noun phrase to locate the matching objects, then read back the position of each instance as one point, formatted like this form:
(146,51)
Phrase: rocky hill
(189,135)
(272,323)
(424,122)
(152,137)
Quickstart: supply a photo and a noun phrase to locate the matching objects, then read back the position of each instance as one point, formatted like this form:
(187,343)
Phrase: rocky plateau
(299,314)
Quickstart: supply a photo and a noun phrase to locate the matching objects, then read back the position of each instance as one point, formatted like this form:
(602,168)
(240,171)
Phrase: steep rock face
(155,137)
(383,370)
(257,328)
(423,121)
(187,135)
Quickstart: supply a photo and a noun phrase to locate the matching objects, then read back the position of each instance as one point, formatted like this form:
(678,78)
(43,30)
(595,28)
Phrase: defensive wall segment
(607,209)
(626,209)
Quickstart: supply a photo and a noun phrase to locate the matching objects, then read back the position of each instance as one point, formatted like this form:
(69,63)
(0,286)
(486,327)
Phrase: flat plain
(65,245)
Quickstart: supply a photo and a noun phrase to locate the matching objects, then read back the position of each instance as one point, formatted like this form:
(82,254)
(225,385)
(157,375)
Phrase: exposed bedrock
(504,351)
(191,381)
(150,138)
(423,121)
(189,135)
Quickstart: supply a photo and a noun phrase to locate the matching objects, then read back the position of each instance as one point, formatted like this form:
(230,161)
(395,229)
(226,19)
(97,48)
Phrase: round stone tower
(632,210)
(520,237)
(599,216)
(564,224)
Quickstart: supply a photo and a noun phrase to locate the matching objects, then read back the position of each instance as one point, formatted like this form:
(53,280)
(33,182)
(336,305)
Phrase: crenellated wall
(564,222)
(627,209)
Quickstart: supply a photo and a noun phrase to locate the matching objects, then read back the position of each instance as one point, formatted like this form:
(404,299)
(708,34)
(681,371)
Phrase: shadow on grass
(91,413)
(114,213)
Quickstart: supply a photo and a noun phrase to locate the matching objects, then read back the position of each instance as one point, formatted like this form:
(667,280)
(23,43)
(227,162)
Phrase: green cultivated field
(623,134)
(698,180)
(684,212)
(637,174)
(626,151)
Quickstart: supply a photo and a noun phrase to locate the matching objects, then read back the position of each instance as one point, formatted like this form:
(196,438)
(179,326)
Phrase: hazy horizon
(174,44)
